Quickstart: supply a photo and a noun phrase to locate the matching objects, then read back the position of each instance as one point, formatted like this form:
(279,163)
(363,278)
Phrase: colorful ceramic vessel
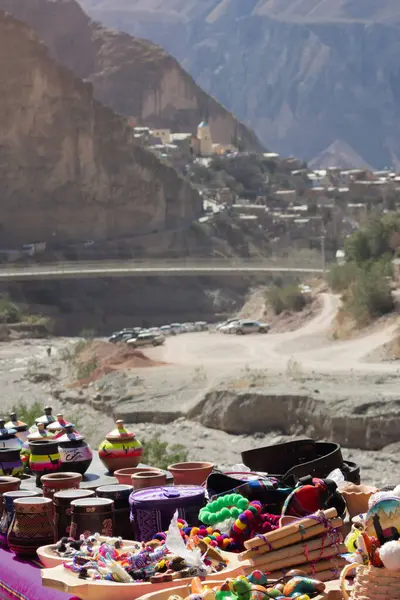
(120,496)
(46,419)
(8,484)
(8,511)
(20,427)
(75,454)
(44,458)
(120,449)
(92,515)
(32,526)
(62,509)
(59,425)
(39,433)
(10,452)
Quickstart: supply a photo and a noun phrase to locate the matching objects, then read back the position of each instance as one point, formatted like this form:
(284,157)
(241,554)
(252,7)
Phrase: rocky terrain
(304,74)
(69,167)
(134,76)
(219,394)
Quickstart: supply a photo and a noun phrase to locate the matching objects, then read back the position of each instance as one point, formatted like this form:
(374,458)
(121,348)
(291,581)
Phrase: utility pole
(323,252)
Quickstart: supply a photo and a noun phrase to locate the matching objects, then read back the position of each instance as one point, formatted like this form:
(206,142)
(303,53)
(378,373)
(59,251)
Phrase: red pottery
(190,473)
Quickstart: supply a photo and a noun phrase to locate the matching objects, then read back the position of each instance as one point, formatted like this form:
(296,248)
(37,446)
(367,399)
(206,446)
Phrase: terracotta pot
(120,449)
(62,509)
(8,510)
(124,476)
(8,484)
(75,453)
(32,526)
(119,493)
(145,479)
(44,458)
(190,473)
(92,515)
(356,498)
(54,482)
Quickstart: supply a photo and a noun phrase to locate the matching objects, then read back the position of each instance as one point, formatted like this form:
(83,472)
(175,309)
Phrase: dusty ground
(287,384)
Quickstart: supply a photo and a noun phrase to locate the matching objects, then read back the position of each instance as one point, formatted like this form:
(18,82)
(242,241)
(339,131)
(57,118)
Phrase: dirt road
(309,346)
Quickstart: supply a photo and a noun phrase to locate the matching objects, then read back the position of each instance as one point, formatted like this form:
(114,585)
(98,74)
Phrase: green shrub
(286,298)
(340,277)
(28,414)
(160,454)
(9,312)
(369,297)
(85,369)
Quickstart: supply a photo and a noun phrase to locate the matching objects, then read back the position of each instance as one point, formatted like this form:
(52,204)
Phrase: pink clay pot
(145,479)
(124,476)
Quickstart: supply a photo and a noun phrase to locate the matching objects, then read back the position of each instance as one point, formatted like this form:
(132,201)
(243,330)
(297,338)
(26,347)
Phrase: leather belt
(291,461)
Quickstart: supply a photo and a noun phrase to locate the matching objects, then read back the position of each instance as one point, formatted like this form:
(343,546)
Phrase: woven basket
(371,583)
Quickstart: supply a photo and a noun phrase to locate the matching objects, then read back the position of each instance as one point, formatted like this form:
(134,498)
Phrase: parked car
(226,323)
(201,326)
(178,328)
(146,339)
(124,334)
(244,326)
(229,328)
(167,330)
(189,327)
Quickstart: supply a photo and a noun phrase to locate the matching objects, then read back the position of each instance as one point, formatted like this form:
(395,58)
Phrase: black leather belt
(291,461)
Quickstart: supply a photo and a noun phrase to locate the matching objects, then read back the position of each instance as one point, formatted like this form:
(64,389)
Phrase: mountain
(339,154)
(302,73)
(135,77)
(69,167)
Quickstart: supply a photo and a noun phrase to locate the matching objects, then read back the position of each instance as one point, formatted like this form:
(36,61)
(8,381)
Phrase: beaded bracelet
(243,523)
(226,507)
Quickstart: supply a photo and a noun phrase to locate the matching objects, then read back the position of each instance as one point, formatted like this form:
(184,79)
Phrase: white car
(189,327)
(243,327)
(146,339)
(178,328)
(226,323)
(201,326)
(167,330)
(230,328)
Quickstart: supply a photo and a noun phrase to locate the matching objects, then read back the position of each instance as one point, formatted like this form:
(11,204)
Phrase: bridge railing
(167,263)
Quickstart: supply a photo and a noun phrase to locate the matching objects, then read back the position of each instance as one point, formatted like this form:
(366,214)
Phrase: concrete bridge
(207,267)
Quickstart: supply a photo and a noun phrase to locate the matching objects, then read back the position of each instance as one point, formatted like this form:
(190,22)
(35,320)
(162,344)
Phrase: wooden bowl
(63,580)
(50,559)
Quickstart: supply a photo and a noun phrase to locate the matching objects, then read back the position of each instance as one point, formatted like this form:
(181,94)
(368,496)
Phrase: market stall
(102,526)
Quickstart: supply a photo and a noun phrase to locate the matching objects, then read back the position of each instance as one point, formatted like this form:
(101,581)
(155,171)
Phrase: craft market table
(21,580)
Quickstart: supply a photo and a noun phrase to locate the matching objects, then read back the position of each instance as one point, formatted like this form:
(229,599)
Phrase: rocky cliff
(135,77)
(69,168)
(302,73)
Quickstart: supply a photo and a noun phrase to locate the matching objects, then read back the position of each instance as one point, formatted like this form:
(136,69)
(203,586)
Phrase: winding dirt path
(309,346)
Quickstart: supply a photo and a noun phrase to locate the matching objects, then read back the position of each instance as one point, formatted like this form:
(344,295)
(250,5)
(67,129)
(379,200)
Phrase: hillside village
(293,203)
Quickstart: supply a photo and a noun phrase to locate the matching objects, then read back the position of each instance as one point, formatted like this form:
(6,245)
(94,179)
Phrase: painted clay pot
(58,426)
(92,515)
(120,449)
(44,458)
(40,433)
(8,510)
(32,526)
(20,427)
(357,497)
(46,419)
(190,473)
(124,476)
(10,452)
(75,454)
(120,495)
(145,479)
(8,484)
(62,509)
(55,482)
